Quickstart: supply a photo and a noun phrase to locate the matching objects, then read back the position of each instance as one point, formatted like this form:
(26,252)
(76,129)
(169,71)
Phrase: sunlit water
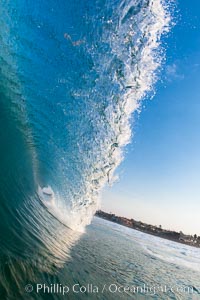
(106,261)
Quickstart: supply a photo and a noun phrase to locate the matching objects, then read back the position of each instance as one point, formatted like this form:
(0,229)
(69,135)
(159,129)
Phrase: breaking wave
(72,75)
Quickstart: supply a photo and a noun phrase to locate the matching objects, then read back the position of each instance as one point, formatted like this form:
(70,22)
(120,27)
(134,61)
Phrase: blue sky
(160,176)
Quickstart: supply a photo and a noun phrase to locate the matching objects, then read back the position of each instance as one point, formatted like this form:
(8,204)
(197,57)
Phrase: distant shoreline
(179,237)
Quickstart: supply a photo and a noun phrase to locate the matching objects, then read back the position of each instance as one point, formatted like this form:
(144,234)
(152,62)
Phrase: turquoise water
(72,78)
(72,74)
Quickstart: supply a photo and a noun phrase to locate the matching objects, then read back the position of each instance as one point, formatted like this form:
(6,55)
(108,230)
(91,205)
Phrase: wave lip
(126,58)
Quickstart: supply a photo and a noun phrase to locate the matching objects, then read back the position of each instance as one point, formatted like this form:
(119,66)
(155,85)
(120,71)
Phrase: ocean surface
(73,75)
(108,262)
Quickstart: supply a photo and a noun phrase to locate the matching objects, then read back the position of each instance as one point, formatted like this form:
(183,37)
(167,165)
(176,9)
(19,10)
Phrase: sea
(73,75)
(108,261)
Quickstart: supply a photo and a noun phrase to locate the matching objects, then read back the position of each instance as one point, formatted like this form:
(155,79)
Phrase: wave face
(72,74)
